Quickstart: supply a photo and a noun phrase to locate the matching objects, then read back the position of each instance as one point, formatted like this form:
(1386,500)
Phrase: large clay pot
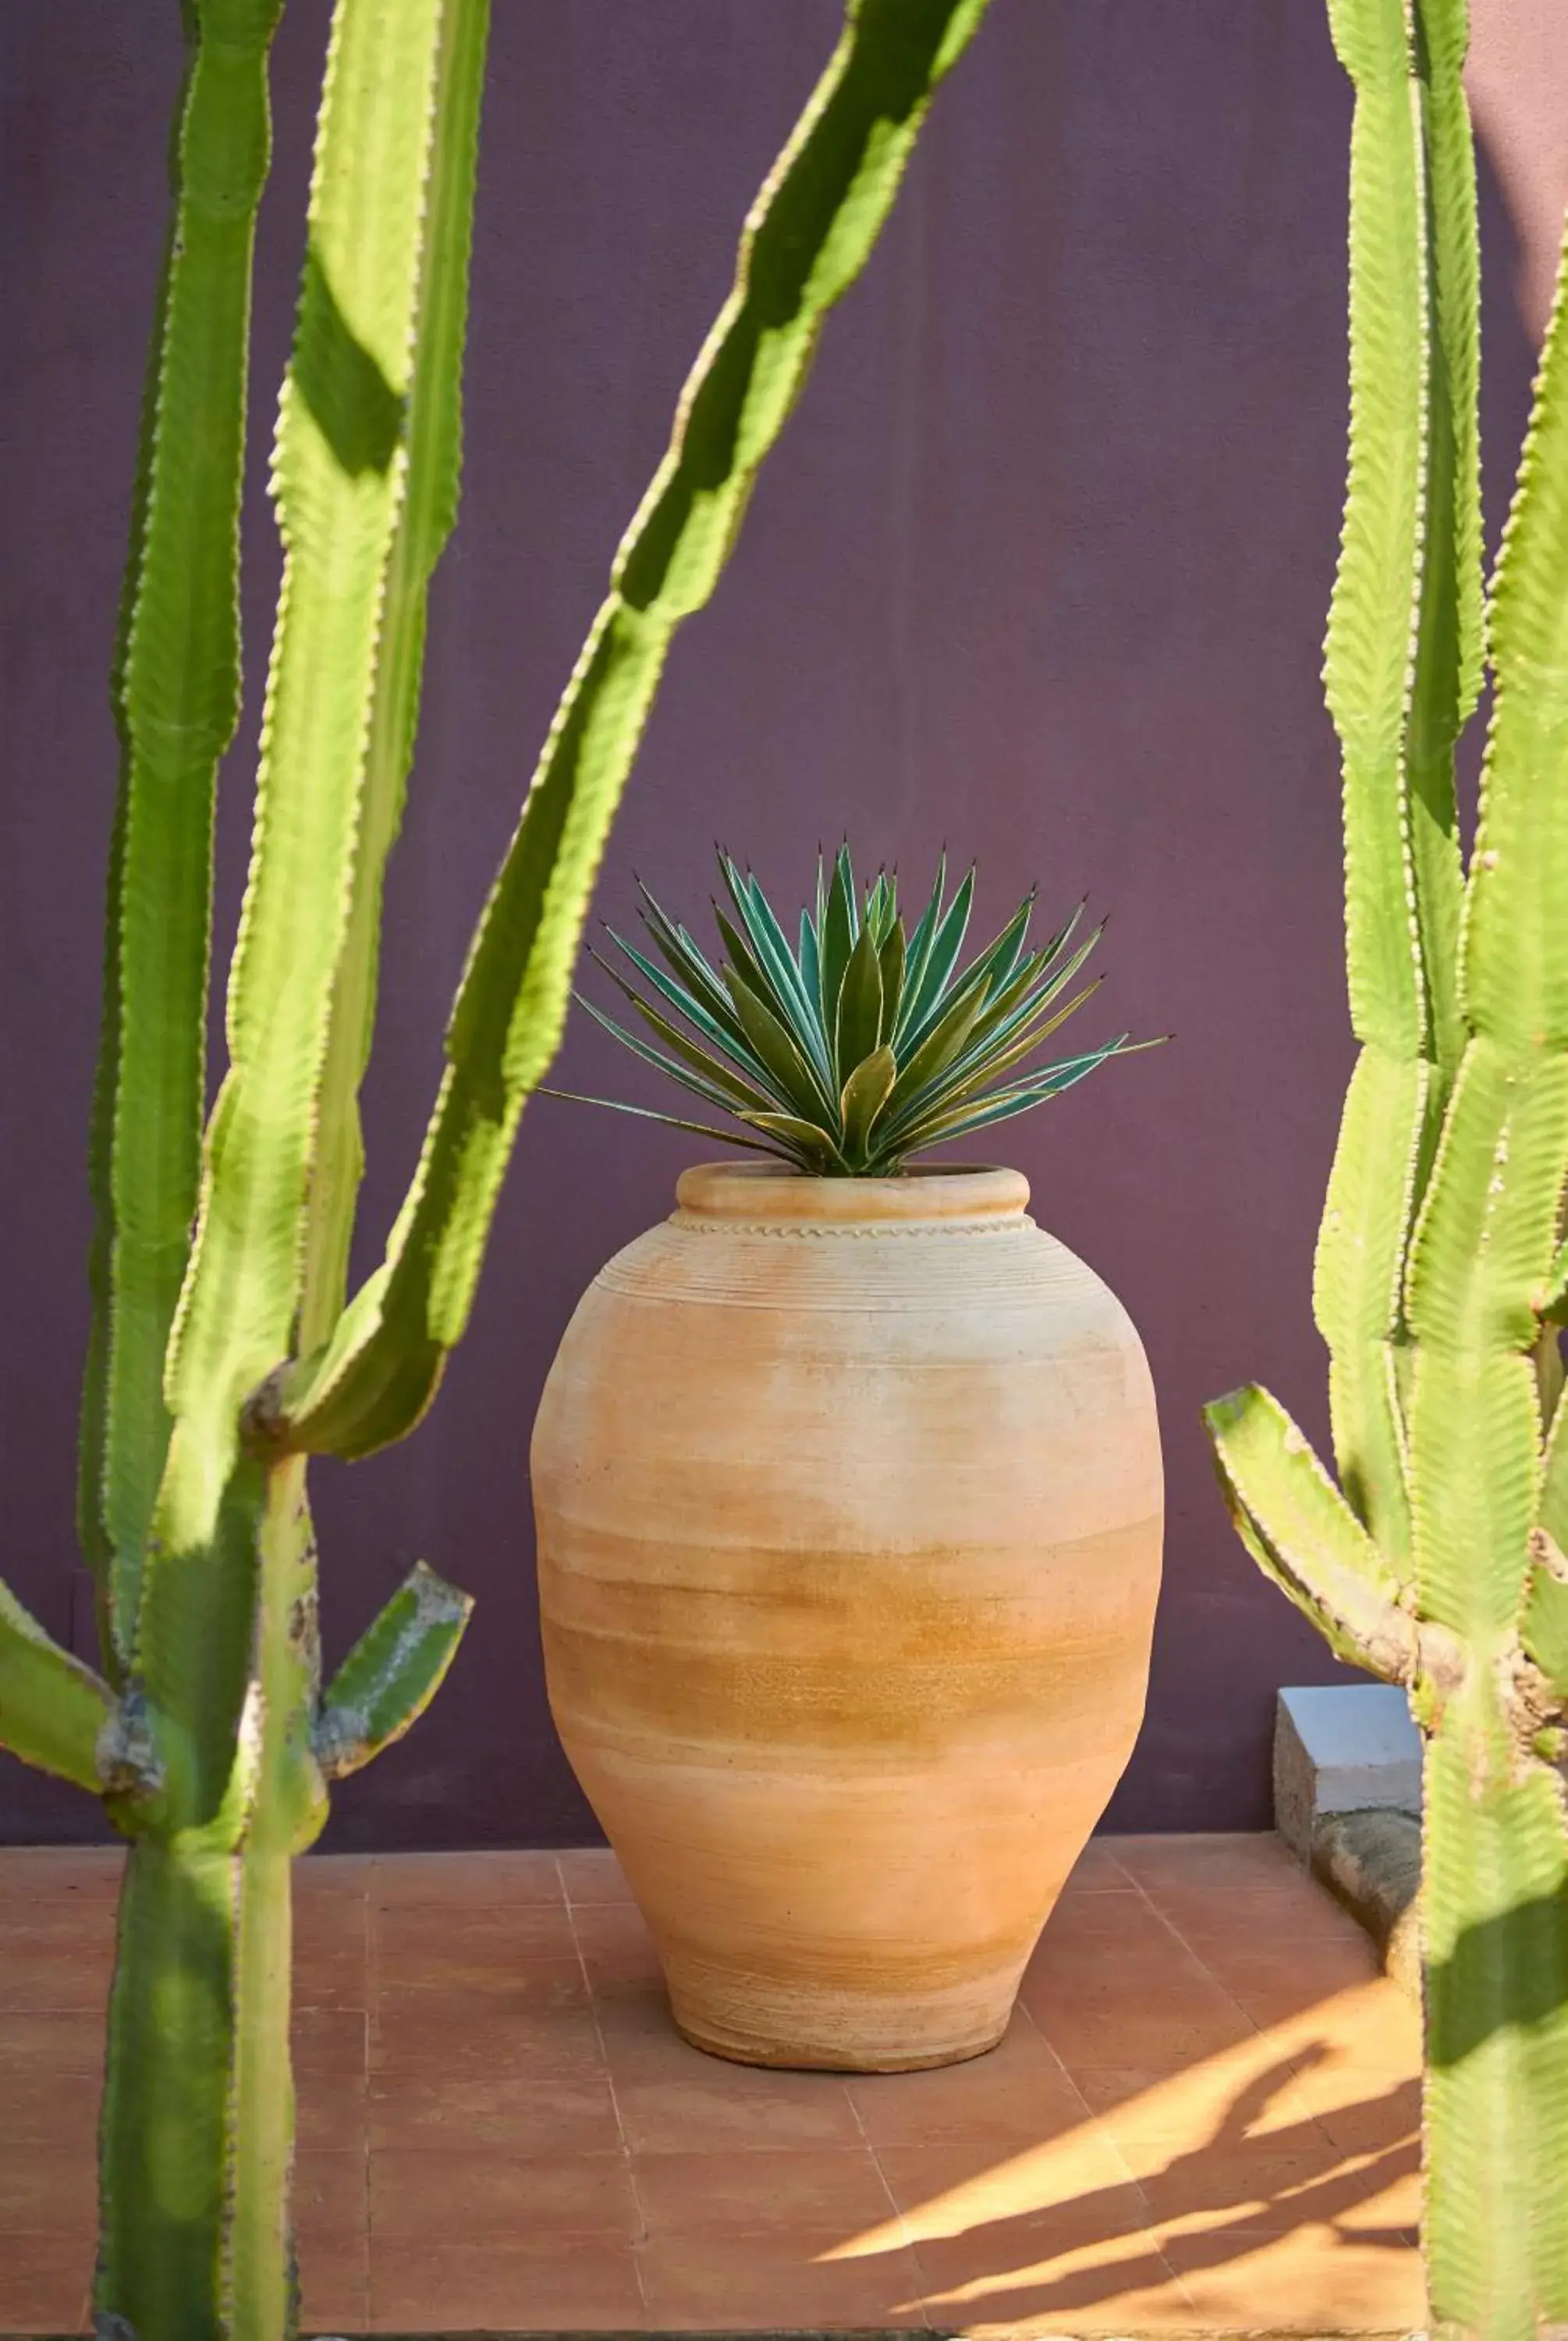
(849,1498)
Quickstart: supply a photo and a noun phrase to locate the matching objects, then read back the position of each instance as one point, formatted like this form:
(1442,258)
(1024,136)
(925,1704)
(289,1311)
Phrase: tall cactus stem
(176,699)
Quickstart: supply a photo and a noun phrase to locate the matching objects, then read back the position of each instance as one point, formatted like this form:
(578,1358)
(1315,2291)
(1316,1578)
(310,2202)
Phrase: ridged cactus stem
(175,692)
(1440,1287)
(197,2142)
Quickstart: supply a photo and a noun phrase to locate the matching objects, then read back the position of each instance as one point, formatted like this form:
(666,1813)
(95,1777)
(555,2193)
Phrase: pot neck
(714,1191)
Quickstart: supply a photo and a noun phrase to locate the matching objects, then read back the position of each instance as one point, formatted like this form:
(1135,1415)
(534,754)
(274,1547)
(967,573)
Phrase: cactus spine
(220,1361)
(1437,1562)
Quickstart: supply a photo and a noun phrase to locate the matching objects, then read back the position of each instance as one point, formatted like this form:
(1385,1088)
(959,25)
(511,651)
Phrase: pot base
(839,2032)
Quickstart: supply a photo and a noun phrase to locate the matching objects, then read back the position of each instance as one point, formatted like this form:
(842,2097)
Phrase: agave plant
(865,1044)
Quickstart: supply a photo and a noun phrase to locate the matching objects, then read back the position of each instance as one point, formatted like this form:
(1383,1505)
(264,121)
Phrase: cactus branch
(1300,1531)
(392,1673)
(52,1708)
(1403,674)
(425,521)
(341,482)
(808,236)
(176,699)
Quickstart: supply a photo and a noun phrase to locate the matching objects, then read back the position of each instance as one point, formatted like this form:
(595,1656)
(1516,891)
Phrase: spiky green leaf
(860,1021)
(865,1094)
(926,998)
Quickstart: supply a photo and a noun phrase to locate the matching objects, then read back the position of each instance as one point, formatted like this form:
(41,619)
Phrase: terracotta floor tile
(1253,2089)
(1309,2281)
(1253,1915)
(834,2194)
(958,2190)
(1128,1920)
(1322,1964)
(1137,2026)
(43,2284)
(478,2199)
(1018,2092)
(51,1877)
(632,2011)
(1098,1869)
(447,1880)
(332,2201)
(571,2284)
(46,2190)
(39,1971)
(332,1877)
(591,1874)
(542,2024)
(331,2115)
(334,2299)
(329,2040)
(1079,1952)
(1251,2187)
(331,2224)
(526,2112)
(718,2283)
(423,1945)
(613,1940)
(42,2105)
(60,2040)
(1364,2114)
(1271,2000)
(1372,2026)
(688,2109)
(81,1922)
(1202,1860)
(332,1942)
(1045,2280)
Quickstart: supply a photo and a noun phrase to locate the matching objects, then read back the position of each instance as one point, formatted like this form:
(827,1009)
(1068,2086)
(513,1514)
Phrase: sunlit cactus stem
(1438,1562)
(220,1359)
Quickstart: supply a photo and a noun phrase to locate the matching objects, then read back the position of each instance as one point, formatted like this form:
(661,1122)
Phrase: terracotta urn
(849,1509)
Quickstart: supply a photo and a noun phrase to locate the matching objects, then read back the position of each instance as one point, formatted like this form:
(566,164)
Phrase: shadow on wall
(1041,570)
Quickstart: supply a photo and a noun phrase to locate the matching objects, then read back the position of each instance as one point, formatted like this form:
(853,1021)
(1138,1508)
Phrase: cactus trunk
(197,2141)
(1438,1562)
(1496,2098)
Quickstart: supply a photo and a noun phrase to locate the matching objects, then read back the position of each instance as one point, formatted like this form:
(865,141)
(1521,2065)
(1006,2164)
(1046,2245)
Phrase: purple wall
(1040,569)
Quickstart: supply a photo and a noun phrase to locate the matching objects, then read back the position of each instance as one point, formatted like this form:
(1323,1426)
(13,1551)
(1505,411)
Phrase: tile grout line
(906,2240)
(639,2208)
(1260,2032)
(1102,2130)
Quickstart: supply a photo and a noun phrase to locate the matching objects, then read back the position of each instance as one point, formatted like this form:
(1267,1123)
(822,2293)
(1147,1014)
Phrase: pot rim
(760,1190)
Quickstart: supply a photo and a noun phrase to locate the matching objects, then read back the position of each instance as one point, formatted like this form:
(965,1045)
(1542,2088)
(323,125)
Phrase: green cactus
(1438,1562)
(219,1359)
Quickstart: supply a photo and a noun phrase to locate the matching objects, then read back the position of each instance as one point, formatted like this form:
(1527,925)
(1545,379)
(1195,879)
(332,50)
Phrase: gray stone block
(1344,1747)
